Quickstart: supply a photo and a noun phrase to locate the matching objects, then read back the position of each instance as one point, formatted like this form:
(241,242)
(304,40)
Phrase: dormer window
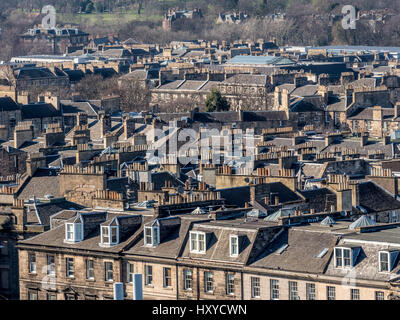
(387,259)
(384,261)
(345,257)
(109,235)
(197,242)
(73,232)
(152,235)
(234,245)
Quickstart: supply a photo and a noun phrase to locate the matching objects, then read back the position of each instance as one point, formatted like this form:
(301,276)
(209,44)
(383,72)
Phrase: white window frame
(310,291)
(274,289)
(112,229)
(130,271)
(388,261)
(51,267)
(232,252)
(148,276)
(103,235)
(379,295)
(69,234)
(70,267)
(328,296)
(342,258)
(154,236)
(187,279)
(108,271)
(198,242)
(208,282)
(255,287)
(354,294)
(230,284)
(32,263)
(107,237)
(165,277)
(89,269)
(75,234)
(293,290)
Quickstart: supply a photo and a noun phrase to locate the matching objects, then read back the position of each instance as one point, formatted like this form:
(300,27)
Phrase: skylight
(322,253)
(281,249)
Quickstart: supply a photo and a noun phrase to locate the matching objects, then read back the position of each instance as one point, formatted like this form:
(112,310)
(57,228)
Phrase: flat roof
(259,60)
(391,236)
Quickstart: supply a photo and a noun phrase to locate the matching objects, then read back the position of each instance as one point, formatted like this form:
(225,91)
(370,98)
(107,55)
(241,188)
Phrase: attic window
(109,235)
(152,236)
(384,261)
(73,232)
(345,257)
(197,242)
(234,245)
(387,259)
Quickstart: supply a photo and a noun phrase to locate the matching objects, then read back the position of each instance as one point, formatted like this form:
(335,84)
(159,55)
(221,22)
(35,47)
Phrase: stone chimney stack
(344,198)
(129,127)
(105,123)
(355,194)
(364,140)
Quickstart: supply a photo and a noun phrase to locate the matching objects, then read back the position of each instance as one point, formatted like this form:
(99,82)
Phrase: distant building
(174,15)
(232,18)
(57,39)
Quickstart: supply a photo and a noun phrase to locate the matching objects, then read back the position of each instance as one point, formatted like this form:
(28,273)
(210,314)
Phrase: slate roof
(8,104)
(259,60)
(43,182)
(304,106)
(366,265)
(375,199)
(367,114)
(46,210)
(218,241)
(319,199)
(372,145)
(169,247)
(252,79)
(301,253)
(55,238)
(74,107)
(307,90)
(34,73)
(39,110)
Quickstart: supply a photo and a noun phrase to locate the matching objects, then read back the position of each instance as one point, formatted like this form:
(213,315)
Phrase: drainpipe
(198,283)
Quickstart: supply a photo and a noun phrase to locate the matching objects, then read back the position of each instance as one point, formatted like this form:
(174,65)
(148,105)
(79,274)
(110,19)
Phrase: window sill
(197,252)
(91,280)
(149,285)
(168,288)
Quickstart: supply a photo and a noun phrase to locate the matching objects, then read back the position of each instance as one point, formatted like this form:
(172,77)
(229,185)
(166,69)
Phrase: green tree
(216,102)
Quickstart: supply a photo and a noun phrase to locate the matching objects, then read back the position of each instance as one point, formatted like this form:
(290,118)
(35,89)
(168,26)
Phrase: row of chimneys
(187,198)
(70,169)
